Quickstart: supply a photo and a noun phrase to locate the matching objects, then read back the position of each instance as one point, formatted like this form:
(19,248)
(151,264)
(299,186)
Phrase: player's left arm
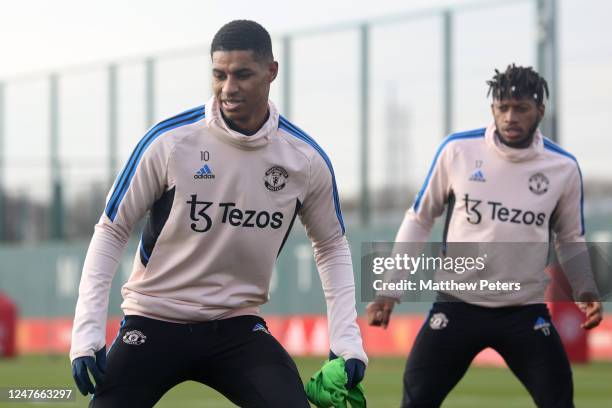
(322,218)
(569,229)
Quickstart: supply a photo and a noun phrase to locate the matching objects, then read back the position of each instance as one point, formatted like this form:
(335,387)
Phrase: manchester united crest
(275,178)
(438,321)
(538,183)
(134,337)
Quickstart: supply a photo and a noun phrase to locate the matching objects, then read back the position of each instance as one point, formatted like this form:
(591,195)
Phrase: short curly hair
(243,35)
(518,82)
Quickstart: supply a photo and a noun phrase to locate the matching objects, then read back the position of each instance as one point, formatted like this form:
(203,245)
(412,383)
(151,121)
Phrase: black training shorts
(455,332)
(237,356)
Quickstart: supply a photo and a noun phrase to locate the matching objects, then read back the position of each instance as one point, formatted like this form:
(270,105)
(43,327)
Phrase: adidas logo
(260,327)
(478,176)
(542,325)
(204,173)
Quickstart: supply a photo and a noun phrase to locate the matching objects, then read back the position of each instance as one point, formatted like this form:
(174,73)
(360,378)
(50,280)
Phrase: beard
(524,142)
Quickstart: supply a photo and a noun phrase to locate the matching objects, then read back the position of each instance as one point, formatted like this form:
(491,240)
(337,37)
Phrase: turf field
(481,387)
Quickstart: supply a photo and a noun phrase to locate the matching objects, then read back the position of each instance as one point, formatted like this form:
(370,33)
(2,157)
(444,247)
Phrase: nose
(230,86)
(511,116)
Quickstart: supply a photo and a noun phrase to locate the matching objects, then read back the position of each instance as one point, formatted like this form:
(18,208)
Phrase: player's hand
(379,311)
(594,313)
(355,370)
(82,366)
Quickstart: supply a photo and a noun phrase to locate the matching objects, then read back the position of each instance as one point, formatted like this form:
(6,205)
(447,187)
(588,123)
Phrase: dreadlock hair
(518,82)
(243,35)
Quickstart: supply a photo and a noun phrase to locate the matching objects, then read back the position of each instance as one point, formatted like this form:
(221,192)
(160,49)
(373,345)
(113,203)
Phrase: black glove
(355,370)
(97,367)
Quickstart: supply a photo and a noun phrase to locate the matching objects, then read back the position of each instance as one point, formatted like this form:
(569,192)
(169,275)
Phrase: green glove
(327,388)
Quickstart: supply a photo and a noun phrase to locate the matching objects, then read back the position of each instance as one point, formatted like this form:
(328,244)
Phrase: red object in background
(566,316)
(8,326)
(303,334)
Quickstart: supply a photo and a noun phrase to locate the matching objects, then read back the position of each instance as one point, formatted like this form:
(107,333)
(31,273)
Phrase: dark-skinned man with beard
(222,185)
(505,184)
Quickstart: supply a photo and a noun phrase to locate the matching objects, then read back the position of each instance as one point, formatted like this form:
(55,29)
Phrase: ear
(272,70)
(541,110)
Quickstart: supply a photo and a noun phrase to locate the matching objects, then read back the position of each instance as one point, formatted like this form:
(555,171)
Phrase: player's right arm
(430,200)
(416,226)
(570,243)
(140,183)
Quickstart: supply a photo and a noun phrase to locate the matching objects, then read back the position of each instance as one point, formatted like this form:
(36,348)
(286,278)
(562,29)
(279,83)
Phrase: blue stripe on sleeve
(300,134)
(121,179)
(471,134)
(549,145)
(123,182)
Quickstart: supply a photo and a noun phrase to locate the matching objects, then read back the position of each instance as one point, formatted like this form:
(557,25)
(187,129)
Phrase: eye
(243,75)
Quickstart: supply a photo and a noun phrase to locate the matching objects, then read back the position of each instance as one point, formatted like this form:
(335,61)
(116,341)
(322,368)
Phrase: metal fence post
(112,123)
(2,157)
(286,67)
(364,39)
(447,64)
(150,92)
(57,207)
(547,62)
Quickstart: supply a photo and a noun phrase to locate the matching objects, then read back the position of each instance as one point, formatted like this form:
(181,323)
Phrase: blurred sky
(40,34)
(37,36)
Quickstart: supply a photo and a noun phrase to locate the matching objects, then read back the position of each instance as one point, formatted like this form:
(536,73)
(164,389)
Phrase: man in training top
(502,184)
(223,184)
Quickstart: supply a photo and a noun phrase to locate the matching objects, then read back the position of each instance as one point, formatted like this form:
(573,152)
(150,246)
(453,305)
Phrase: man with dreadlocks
(223,185)
(504,183)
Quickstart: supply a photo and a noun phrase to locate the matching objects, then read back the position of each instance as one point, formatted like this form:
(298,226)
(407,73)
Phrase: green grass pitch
(481,387)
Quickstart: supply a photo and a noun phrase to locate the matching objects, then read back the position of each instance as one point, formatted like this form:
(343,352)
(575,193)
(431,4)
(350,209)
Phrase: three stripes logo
(125,177)
(204,173)
(260,327)
(542,325)
(478,175)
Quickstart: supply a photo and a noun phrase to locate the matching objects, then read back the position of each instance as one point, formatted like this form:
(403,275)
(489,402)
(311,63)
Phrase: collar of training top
(511,154)
(222,130)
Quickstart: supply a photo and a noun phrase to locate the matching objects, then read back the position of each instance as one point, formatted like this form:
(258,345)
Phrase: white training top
(502,194)
(221,207)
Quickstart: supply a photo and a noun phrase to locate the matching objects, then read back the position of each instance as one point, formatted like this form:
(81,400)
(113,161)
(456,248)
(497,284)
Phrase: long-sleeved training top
(221,205)
(497,194)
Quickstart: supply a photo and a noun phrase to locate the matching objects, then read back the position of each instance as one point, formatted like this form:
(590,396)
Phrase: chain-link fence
(378,95)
